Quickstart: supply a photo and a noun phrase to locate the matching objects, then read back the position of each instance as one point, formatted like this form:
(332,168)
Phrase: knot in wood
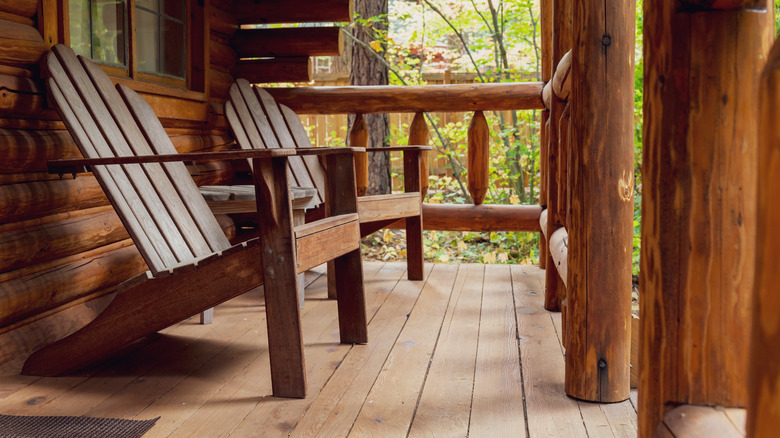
(606,40)
(602,363)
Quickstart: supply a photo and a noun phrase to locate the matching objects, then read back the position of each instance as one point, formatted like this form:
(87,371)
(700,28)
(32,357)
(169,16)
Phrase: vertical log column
(602,168)
(546,31)
(555,291)
(478,157)
(764,384)
(698,204)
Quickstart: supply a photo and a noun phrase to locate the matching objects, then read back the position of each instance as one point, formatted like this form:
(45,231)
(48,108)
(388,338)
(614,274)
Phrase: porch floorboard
(469,351)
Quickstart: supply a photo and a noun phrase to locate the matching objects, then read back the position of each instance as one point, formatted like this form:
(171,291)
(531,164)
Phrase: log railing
(434,98)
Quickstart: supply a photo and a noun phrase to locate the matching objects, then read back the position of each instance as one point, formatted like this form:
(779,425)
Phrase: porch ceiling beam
(267,70)
(294,41)
(293,11)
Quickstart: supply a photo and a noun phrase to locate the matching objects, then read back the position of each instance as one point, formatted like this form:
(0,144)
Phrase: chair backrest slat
(159,205)
(285,139)
(177,172)
(313,165)
(139,145)
(259,124)
(130,209)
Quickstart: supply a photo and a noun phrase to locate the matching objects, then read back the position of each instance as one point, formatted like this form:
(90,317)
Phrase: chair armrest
(400,148)
(82,164)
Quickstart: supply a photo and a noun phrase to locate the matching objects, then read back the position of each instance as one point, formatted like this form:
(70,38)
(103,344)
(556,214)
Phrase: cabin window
(97,30)
(144,39)
(160,39)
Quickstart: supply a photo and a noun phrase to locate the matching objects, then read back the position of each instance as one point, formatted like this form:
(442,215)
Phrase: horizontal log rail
(411,99)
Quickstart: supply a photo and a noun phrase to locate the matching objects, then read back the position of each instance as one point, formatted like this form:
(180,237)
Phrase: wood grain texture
(290,41)
(445,402)
(698,421)
(481,217)
(297,11)
(20,45)
(358,136)
(478,158)
(699,194)
(600,229)
(277,69)
(418,136)
(497,403)
(763,417)
(412,99)
(403,375)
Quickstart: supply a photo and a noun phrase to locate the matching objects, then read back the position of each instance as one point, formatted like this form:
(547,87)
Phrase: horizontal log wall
(62,246)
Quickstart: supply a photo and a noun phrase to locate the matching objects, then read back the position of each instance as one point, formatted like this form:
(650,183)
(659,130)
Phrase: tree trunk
(368,70)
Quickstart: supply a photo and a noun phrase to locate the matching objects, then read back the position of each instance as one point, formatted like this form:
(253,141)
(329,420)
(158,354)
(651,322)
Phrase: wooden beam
(271,70)
(763,415)
(555,291)
(601,227)
(698,204)
(290,41)
(485,217)
(293,11)
(704,5)
(412,99)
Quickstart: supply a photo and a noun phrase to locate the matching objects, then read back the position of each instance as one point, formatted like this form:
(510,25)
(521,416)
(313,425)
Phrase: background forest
(495,41)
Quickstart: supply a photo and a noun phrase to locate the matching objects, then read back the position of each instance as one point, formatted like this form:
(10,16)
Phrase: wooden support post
(600,232)
(555,291)
(418,136)
(478,157)
(698,204)
(763,419)
(283,317)
(347,269)
(414,229)
(546,31)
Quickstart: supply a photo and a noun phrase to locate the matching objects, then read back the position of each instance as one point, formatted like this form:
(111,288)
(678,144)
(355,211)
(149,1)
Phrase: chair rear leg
(414,248)
(353,326)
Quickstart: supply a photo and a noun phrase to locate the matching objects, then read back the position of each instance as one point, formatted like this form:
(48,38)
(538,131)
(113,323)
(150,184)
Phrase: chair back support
(159,204)
(258,122)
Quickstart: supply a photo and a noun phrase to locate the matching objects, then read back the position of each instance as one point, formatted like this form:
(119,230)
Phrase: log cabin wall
(63,250)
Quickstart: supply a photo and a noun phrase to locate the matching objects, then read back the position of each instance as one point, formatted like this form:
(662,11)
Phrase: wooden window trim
(193,87)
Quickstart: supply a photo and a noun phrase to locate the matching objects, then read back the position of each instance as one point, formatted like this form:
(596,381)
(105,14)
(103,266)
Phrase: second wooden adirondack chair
(192,265)
(259,122)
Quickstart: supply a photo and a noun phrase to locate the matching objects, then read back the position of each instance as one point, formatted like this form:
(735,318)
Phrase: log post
(358,136)
(546,31)
(764,384)
(478,157)
(418,136)
(600,232)
(555,291)
(698,205)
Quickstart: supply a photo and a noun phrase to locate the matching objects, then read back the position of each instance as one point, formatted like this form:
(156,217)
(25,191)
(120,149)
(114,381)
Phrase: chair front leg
(279,264)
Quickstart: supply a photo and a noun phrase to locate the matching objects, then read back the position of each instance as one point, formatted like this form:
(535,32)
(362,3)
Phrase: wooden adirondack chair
(259,122)
(192,265)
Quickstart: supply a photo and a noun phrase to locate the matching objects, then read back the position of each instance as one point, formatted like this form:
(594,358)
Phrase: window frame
(195,51)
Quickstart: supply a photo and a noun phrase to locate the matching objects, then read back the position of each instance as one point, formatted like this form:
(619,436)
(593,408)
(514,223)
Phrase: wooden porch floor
(470,351)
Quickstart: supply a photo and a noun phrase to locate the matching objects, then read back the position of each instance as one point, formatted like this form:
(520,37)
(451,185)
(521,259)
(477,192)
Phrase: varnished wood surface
(411,99)
(468,351)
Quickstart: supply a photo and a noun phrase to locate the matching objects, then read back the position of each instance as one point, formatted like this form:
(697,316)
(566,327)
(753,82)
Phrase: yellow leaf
(386,236)
(514,199)
(444,258)
(461,246)
(503,257)
(489,257)
(376,45)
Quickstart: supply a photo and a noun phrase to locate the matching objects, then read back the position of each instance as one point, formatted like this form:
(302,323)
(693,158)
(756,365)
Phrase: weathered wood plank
(550,412)
(444,408)
(289,41)
(386,410)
